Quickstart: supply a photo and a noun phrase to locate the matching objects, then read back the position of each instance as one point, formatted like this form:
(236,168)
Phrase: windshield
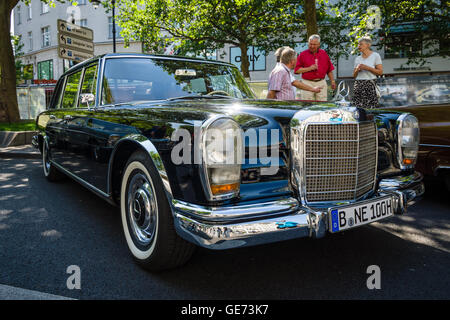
(140,79)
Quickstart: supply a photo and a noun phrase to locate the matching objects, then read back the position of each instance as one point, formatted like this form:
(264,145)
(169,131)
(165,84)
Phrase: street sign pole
(114,25)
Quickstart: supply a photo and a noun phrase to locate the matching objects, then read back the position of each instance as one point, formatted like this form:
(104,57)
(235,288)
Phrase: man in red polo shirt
(314,64)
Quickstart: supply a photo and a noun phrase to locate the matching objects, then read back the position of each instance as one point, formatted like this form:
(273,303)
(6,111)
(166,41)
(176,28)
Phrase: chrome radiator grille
(340,161)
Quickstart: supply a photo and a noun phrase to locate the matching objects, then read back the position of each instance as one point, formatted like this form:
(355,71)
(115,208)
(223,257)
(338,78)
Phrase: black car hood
(266,114)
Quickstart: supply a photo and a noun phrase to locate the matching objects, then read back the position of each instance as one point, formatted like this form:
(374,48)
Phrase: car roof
(141,55)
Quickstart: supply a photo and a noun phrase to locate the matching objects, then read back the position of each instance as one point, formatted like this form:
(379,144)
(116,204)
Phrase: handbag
(377,89)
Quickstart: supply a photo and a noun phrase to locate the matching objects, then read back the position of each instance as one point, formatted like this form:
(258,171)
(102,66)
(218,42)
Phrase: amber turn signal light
(224,188)
(408,161)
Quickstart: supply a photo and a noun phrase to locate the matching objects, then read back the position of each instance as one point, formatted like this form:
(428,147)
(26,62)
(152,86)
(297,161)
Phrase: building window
(30,10)
(45,70)
(256,58)
(81,2)
(45,37)
(44,7)
(83,23)
(118,29)
(30,41)
(19,18)
(402,45)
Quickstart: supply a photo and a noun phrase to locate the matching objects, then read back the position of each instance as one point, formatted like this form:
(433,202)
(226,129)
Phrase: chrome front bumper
(246,225)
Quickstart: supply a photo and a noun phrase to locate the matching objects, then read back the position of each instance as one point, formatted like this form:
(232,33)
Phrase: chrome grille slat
(339,161)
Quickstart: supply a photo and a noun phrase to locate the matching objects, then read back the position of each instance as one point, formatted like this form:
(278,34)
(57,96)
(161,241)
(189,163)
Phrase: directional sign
(75,43)
(71,54)
(71,29)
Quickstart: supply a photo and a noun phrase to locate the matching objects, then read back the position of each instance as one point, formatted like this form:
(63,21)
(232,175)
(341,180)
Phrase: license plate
(347,217)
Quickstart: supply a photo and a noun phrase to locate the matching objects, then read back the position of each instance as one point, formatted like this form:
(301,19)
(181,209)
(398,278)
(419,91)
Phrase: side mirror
(87,98)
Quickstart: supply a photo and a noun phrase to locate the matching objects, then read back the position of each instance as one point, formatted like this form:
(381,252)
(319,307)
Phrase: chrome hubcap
(142,209)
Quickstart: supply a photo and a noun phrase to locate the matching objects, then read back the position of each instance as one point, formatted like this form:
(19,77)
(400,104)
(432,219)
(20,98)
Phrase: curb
(21,152)
(14,293)
(15,138)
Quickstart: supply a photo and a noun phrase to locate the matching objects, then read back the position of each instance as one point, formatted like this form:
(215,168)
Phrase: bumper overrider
(253,224)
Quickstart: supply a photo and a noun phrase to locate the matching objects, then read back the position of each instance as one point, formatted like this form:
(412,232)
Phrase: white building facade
(36,24)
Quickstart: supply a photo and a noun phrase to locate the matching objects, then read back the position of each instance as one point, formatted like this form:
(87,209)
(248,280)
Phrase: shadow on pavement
(46,227)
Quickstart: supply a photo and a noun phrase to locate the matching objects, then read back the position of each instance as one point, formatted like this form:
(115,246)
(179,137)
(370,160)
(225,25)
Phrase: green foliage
(427,21)
(17,48)
(28,125)
(210,24)
(200,25)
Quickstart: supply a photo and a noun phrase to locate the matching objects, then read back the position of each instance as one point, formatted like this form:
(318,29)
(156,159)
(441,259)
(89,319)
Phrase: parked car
(191,158)
(434,148)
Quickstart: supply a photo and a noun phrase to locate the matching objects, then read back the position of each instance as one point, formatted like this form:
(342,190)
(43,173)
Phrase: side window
(89,80)
(70,92)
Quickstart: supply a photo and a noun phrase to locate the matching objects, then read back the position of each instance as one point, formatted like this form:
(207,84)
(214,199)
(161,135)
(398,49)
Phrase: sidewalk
(24,151)
(13,293)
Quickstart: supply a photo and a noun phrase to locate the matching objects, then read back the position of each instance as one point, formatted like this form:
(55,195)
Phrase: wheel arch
(123,149)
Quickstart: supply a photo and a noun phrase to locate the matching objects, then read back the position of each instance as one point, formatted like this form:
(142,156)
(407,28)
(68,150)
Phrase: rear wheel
(50,172)
(147,218)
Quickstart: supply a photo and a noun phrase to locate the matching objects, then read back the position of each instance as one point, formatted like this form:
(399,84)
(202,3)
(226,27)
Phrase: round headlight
(408,140)
(222,146)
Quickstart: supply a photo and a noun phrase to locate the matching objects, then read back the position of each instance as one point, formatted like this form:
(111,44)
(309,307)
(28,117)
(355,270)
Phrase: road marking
(13,293)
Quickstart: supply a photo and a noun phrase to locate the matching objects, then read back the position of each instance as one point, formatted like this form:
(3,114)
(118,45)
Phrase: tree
(17,49)
(199,25)
(310,17)
(8,99)
(427,22)
(9,109)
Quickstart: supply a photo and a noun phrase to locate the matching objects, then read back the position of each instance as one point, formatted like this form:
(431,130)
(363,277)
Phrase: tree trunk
(310,17)
(9,110)
(245,63)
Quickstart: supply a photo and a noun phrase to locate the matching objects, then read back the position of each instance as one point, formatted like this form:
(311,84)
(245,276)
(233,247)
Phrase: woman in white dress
(367,67)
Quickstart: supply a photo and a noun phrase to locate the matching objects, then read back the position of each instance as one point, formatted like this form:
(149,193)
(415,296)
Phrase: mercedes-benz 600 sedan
(189,155)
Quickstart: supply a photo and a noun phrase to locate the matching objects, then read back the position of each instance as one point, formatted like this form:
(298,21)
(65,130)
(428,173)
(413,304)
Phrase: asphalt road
(47,227)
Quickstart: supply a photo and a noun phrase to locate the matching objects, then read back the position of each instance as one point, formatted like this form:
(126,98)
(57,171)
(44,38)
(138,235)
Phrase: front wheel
(147,219)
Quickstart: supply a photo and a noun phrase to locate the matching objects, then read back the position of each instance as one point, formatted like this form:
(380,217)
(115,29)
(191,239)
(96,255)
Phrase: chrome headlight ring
(221,151)
(408,137)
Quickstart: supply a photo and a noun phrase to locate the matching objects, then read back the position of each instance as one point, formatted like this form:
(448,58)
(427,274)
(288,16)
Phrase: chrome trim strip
(84,183)
(357,163)
(100,82)
(333,175)
(246,211)
(434,145)
(332,158)
(146,144)
(335,191)
(167,58)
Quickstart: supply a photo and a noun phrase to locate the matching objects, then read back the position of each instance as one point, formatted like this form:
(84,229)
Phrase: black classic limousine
(189,155)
